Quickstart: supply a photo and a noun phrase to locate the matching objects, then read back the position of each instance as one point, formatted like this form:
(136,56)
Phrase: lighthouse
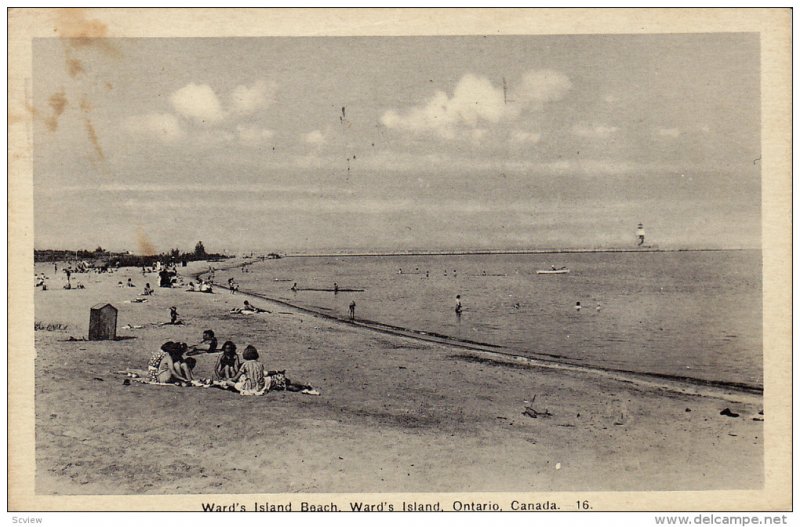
(640,235)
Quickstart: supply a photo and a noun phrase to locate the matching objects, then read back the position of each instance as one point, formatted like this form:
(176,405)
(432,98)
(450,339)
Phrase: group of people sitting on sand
(202,286)
(172,364)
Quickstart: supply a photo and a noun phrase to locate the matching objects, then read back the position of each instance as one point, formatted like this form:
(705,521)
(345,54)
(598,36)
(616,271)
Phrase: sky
(397,143)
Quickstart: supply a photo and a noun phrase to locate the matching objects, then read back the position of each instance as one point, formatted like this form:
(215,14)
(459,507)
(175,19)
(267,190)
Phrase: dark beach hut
(103,322)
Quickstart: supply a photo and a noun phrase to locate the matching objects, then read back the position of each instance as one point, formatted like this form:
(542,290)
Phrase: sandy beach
(395,414)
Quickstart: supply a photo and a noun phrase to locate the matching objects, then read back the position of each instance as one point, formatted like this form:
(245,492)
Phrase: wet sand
(395,414)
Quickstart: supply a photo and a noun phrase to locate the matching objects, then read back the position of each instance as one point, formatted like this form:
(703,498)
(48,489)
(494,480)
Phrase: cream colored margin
(774,25)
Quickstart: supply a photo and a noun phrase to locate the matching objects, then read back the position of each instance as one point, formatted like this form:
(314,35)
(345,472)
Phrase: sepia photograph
(394,271)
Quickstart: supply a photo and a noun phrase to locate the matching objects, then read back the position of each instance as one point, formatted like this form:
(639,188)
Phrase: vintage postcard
(399,260)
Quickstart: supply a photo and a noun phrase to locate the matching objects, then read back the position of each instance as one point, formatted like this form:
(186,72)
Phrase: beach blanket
(279,383)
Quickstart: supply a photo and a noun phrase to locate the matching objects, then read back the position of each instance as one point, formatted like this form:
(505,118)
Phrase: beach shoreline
(395,414)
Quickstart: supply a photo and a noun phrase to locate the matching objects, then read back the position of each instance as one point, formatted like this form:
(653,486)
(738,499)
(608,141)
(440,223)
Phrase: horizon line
(453,252)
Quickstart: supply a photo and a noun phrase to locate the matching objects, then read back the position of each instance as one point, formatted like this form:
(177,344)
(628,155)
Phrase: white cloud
(315,137)
(199,102)
(252,135)
(247,100)
(595,131)
(164,126)
(544,86)
(669,132)
(476,103)
(474,99)
(521,136)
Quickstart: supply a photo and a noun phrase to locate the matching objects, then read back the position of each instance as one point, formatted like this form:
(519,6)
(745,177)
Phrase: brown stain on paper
(74,67)
(144,244)
(78,32)
(91,133)
(57,102)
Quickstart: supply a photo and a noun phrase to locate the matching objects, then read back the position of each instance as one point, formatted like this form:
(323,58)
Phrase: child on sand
(208,344)
(250,379)
(173,315)
(228,364)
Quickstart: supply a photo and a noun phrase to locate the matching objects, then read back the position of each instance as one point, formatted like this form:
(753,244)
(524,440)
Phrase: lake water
(691,314)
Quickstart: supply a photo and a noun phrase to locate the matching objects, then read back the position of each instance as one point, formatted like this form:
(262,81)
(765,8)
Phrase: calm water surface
(694,314)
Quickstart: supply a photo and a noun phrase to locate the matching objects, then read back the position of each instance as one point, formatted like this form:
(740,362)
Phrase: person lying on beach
(169,365)
(250,379)
(228,363)
(207,345)
(205,287)
(248,309)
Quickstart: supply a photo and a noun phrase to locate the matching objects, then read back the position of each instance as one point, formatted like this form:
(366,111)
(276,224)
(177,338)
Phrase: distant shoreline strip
(507,251)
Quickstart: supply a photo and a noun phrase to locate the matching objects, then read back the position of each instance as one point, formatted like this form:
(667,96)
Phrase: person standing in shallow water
(458,305)
(353,310)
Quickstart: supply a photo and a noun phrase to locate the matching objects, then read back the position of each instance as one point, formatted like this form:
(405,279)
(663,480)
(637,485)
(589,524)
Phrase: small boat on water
(553,271)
